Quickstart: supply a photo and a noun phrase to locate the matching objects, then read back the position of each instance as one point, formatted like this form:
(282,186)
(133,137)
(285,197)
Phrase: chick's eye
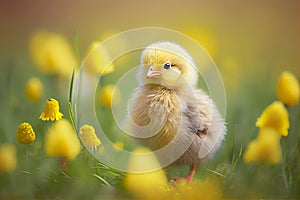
(167,65)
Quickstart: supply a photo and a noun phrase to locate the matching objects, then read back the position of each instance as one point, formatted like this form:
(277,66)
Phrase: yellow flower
(275,116)
(98,61)
(52,53)
(266,148)
(51,111)
(288,89)
(204,37)
(155,185)
(25,134)
(34,89)
(145,185)
(88,136)
(61,140)
(109,96)
(121,42)
(8,157)
(118,146)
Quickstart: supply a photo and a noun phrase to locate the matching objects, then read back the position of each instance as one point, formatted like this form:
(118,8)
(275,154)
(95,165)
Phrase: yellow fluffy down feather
(179,122)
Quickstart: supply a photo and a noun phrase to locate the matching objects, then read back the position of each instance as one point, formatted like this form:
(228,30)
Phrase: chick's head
(169,65)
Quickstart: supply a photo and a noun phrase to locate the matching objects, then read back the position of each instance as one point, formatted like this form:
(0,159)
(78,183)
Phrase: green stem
(71,114)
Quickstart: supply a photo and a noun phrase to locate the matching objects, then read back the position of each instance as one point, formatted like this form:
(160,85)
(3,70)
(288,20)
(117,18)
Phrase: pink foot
(188,178)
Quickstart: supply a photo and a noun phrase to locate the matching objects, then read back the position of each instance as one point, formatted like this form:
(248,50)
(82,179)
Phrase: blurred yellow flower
(98,61)
(204,37)
(109,96)
(34,89)
(61,140)
(288,89)
(51,111)
(52,53)
(275,116)
(118,43)
(149,185)
(25,134)
(8,158)
(88,136)
(266,148)
(118,146)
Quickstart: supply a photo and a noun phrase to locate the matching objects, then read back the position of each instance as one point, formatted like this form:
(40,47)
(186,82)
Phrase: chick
(179,122)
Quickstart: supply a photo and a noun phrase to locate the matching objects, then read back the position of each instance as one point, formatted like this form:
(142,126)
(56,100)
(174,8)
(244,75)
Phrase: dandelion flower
(288,89)
(275,116)
(52,53)
(98,61)
(88,136)
(51,111)
(109,96)
(8,158)
(25,134)
(118,146)
(61,140)
(34,89)
(266,148)
(145,185)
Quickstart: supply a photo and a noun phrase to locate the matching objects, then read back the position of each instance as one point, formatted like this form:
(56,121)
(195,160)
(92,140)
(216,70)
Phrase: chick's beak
(152,72)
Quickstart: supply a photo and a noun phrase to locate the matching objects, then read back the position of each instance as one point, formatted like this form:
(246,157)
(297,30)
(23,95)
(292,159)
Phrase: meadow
(251,53)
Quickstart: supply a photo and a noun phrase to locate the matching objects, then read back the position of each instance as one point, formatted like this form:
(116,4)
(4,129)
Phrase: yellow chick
(168,114)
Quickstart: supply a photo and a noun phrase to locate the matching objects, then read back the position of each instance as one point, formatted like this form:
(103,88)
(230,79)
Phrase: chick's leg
(189,177)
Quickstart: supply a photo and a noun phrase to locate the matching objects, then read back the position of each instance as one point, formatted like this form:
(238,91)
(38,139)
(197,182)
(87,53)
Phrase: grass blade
(102,179)
(217,173)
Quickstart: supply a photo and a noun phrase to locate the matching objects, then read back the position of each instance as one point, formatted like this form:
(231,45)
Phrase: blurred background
(250,42)
(243,38)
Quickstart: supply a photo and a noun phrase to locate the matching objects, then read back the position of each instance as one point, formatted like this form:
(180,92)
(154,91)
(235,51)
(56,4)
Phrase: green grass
(40,176)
